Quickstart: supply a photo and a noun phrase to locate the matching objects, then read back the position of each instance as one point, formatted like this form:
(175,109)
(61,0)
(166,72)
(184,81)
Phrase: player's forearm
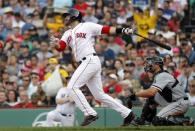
(144,94)
(147,93)
(112,30)
(115,30)
(62,101)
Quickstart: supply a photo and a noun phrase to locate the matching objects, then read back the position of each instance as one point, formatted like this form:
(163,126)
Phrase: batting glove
(54,40)
(127,31)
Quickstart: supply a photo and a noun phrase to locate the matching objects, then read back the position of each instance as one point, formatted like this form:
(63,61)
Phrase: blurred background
(27,57)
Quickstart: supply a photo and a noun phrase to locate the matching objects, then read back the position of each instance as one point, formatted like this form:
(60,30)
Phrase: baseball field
(132,128)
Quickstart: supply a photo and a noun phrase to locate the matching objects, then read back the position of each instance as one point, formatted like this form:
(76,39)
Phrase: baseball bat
(155,42)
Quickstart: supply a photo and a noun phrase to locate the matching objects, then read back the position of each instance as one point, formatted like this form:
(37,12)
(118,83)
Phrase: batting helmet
(74,14)
(150,61)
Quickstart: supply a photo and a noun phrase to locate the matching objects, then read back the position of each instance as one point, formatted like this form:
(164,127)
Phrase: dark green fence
(26,117)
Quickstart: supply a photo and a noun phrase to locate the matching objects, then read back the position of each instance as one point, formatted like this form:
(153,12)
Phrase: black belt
(185,98)
(69,115)
(84,58)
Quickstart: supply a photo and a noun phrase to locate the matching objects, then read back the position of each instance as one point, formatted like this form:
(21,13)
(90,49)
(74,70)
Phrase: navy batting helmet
(150,61)
(74,14)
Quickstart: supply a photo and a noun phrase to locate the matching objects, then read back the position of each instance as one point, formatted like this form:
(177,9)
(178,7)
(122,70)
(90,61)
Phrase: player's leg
(67,120)
(174,109)
(173,114)
(79,78)
(52,117)
(95,86)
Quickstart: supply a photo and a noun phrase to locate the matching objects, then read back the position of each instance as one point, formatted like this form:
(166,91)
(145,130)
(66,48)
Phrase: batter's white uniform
(63,113)
(81,40)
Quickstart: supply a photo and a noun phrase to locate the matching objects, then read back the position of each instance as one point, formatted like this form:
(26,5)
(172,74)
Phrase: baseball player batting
(81,38)
(166,91)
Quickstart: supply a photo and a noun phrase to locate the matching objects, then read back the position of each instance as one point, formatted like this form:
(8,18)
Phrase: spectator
(192,74)
(12,65)
(122,18)
(5,77)
(12,97)
(33,86)
(44,51)
(24,101)
(119,66)
(25,54)
(7,28)
(187,51)
(36,21)
(174,23)
(167,59)
(26,82)
(184,78)
(3,100)
(172,69)
(11,84)
(28,19)
(18,22)
(191,94)
(35,100)
(89,16)
(112,83)
(81,5)
(144,21)
(176,55)
(167,11)
(139,62)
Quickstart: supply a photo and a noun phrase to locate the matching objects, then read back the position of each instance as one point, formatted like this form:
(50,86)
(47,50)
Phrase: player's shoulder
(165,75)
(67,33)
(89,24)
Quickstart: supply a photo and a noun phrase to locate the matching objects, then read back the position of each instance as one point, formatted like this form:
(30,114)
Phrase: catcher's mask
(151,61)
(71,15)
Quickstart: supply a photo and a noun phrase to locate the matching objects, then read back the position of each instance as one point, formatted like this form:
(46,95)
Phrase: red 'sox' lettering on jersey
(81,35)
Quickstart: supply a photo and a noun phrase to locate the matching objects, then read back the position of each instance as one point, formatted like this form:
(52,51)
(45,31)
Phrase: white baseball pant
(55,116)
(175,108)
(89,73)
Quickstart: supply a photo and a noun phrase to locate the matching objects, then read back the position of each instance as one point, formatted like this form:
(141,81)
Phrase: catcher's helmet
(150,61)
(74,14)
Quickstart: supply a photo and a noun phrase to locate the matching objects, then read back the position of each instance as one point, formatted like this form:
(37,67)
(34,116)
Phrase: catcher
(167,92)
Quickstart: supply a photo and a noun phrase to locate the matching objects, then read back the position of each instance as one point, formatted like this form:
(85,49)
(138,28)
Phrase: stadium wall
(29,117)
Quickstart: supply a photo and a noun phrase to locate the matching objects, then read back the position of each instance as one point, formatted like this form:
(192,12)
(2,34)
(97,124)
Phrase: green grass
(139,128)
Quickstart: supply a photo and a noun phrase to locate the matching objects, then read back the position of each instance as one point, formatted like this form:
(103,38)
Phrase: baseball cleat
(89,119)
(127,121)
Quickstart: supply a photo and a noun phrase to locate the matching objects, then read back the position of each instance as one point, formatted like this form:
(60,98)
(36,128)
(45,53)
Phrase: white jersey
(66,108)
(82,39)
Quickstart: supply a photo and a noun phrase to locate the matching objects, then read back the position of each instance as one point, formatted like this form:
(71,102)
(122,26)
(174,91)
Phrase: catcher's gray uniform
(171,95)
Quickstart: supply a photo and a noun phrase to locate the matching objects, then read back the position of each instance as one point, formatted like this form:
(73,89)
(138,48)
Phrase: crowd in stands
(27,57)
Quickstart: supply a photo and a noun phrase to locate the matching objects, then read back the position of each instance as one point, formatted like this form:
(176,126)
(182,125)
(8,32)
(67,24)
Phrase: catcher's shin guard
(172,121)
(149,110)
